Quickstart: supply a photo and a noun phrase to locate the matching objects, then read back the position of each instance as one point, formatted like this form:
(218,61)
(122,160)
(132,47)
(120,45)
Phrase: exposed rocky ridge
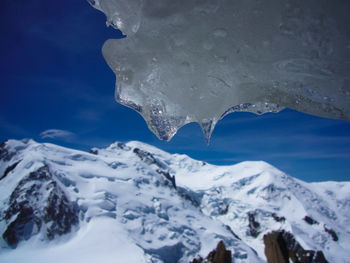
(280,246)
(9,169)
(218,255)
(253,225)
(148,158)
(38,204)
(278,218)
(5,153)
(332,233)
(310,220)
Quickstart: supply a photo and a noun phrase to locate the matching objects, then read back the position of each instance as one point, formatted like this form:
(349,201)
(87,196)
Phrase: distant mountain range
(132,202)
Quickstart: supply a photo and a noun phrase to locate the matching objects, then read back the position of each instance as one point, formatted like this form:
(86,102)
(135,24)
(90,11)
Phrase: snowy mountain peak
(157,206)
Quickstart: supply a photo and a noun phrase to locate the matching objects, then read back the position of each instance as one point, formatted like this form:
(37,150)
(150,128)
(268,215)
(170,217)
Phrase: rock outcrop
(280,246)
(310,220)
(278,218)
(332,233)
(218,255)
(254,226)
(38,204)
(5,153)
(9,169)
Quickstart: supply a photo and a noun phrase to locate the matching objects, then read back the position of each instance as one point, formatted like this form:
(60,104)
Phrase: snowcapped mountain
(135,203)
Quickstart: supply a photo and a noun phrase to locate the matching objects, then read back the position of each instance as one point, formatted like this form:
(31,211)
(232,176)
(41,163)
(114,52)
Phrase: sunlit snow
(199,60)
(129,212)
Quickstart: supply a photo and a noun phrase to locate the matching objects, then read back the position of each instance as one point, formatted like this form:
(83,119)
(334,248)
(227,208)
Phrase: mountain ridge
(169,205)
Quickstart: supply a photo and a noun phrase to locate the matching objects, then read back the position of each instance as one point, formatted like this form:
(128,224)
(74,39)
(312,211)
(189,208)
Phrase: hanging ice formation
(199,60)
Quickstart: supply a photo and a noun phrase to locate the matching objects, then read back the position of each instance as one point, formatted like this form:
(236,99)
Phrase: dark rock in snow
(193,197)
(199,259)
(36,201)
(278,218)
(5,154)
(123,146)
(280,246)
(223,208)
(23,227)
(253,225)
(94,151)
(148,158)
(168,176)
(9,169)
(233,233)
(310,220)
(218,255)
(332,233)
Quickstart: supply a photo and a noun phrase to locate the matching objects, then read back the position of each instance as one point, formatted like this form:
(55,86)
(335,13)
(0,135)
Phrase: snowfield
(135,203)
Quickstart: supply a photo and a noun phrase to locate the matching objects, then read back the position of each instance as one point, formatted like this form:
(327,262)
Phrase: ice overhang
(198,60)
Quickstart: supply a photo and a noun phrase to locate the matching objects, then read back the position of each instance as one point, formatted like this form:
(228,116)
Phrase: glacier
(198,60)
(136,203)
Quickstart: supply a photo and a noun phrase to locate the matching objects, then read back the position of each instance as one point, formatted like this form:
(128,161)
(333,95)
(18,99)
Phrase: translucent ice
(199,60)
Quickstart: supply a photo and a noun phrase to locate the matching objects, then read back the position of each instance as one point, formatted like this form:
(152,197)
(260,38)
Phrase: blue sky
(53,77)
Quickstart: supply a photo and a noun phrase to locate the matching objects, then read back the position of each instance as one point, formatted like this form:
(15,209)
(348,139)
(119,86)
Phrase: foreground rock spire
(218,255)
(280,246)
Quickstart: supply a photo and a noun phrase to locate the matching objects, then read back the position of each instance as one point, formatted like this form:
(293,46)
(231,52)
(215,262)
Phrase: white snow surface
(129,211)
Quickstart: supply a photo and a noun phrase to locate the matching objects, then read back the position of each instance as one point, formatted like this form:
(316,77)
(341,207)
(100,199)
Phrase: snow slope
(136,203)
